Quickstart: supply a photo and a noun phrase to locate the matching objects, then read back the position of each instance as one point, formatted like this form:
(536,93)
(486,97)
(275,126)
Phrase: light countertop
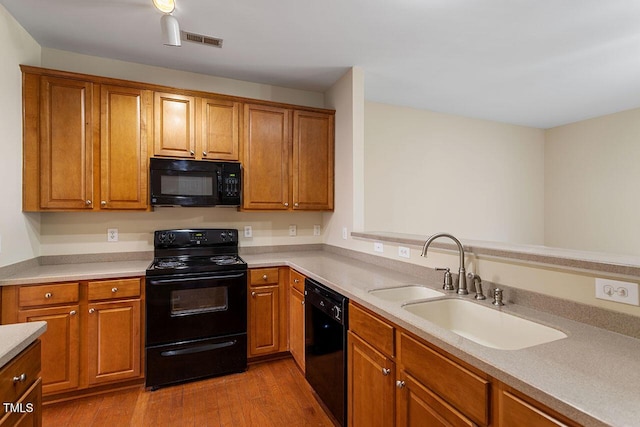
(15,338)
(592,376)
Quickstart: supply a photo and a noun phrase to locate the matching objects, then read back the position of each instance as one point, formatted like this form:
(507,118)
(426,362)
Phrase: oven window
(186,302)
(186,185)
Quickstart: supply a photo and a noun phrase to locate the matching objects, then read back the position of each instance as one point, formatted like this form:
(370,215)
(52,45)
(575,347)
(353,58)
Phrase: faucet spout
(462,279)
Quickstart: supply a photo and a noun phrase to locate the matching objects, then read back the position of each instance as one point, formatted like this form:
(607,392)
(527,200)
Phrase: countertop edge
(16,337)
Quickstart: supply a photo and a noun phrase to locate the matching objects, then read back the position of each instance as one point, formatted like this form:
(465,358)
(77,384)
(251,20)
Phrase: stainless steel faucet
(462,279)
(477,282)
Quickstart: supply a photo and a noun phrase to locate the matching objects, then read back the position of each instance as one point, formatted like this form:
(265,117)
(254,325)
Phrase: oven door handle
(197,349)
(191,279)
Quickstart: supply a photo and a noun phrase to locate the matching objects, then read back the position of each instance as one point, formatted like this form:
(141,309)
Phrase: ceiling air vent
(199,38)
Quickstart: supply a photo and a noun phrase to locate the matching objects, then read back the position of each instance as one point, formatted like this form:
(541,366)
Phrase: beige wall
(591,179)
(428,172)
(18,232)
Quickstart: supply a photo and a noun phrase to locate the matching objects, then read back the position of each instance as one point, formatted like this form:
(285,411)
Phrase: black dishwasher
(326,316)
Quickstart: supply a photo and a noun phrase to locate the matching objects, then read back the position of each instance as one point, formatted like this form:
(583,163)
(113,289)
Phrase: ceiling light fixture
(165,6)
(170,30)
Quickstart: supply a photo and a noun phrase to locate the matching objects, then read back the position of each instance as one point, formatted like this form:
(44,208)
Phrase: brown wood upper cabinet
(196,128)
(85,143)
(287,158)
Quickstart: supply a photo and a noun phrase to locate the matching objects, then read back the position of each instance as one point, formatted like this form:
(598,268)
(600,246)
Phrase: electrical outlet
(248,231)
(378,247)
(404,252)
(293,230)
(618,291)
(344,233)
(316,230)
(112,235)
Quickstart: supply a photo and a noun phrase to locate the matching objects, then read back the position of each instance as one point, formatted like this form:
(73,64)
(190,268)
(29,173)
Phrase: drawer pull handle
(400,384)
(265,277)
(296,280)
(114,290)
(48,295)
(386,371)
(92,310)
(72,313)
(20,379)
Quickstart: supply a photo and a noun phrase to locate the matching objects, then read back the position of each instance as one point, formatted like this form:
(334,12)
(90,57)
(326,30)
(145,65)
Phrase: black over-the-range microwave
(179,182)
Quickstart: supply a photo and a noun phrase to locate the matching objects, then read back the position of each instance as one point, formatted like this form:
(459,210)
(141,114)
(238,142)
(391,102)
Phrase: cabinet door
(313,161)
(219,133)
(419,406)
(113,340)
(264,320)
(296,326)
(66,144)
(125,133)
(31,401)
(266,158)
(174,118)
(371,385)
(60,346)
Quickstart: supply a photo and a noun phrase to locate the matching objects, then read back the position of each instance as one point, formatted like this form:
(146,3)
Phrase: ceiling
(538,63)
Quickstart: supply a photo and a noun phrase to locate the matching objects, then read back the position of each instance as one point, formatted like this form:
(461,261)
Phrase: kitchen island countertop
(16,337)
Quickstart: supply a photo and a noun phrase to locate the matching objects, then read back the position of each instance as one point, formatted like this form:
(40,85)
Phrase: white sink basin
(484,325)
(406,293)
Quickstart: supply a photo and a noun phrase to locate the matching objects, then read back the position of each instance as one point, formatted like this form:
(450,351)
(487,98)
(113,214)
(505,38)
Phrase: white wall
(592,175)
(18,232)
(428,172)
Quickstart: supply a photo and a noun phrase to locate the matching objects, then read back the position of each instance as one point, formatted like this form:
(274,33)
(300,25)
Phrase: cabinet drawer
(466,391)
(264,276)
(296,280)
(515,410)
(373,330)
(114,289)
(49,294)
(19,374)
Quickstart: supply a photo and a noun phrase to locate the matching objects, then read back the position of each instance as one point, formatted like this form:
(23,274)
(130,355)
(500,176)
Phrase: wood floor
(267,394)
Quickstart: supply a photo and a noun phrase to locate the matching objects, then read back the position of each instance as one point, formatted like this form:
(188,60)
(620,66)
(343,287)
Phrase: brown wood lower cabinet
(432,388)
(296,318)
(22,400)
(93,335)
(267,312)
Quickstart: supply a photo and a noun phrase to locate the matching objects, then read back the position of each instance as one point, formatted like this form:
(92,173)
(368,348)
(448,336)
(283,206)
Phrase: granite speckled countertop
(15,338)
(592,376)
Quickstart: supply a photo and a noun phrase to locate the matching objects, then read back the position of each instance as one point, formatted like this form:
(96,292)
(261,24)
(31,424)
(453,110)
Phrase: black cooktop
(195,251)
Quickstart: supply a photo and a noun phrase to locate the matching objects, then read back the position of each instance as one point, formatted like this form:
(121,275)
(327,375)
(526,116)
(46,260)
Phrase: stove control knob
(223,236)
(163,237)
(171,237)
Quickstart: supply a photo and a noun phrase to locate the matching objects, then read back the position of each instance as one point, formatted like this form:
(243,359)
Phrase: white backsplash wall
(86,233)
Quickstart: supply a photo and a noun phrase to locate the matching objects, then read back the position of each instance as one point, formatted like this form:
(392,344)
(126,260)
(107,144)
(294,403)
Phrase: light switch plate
(344,233)
(248,231)
(378,247)
(316,230)
(404,252)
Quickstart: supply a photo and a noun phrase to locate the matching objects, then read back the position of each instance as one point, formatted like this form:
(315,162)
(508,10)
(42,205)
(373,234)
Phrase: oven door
(195,307)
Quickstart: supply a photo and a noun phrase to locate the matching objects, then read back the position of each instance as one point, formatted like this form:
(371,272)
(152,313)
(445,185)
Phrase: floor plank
(267,394)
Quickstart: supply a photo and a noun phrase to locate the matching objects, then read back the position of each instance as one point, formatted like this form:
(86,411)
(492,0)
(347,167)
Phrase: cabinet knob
(264,277)
(20,378)
(296,280)
(72,313)
(103,203)
(88,202)
(92,310)
(296,204)
(48,295)
(302,302)
(204,153)
(253,294)
(286,205)
(400,384)
(193,153)
(386,371)
(114,290)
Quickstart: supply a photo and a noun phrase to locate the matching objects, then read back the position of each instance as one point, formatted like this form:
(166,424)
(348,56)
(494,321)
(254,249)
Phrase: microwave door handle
(219,172)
